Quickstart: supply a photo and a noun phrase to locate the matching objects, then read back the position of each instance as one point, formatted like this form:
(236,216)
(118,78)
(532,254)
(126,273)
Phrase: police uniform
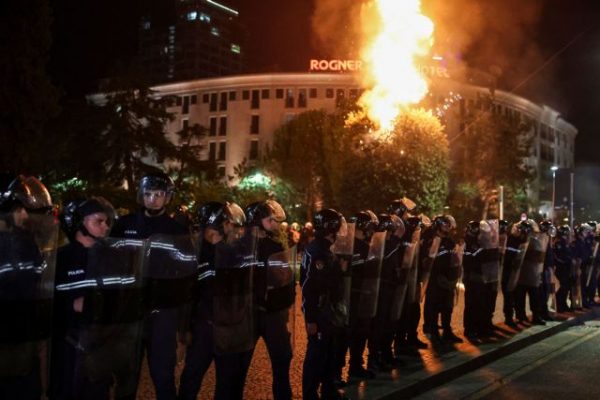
(512,252)
(161,322)
(25,316)
(473,317)
(563,257)
(200,352)
(70,284)
(321,280)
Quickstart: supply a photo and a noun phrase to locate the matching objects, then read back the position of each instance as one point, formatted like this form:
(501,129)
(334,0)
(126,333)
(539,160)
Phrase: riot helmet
(564,232)
(27,192)
(444,224)
(401,206)
(584,230)
(522,229)
(472,229)
(365,221)
(546,226)
(503,226)
(328,221)
(391,223)
(160,183)
(73,216)
(258,211)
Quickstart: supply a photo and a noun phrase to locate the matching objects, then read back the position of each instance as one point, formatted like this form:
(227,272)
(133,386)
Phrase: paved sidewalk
(421,371)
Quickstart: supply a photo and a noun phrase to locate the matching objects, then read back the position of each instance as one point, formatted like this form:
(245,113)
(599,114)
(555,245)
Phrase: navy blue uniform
(23,316)
(200,352)
(70,284)
(439,295)
(512,252)
(473,317)
(563,258)
(321,280)
(546,286)
(161,322)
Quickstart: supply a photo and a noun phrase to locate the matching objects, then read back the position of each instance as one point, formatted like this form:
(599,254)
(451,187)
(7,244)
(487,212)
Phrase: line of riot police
(130,289)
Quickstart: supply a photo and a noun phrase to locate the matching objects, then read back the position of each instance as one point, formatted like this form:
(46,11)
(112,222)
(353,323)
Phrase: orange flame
(397,35)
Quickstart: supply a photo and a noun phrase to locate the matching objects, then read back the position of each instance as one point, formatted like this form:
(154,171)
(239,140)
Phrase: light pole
(554,168)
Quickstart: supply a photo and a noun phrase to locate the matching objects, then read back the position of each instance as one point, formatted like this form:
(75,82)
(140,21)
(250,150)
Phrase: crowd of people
(126,289)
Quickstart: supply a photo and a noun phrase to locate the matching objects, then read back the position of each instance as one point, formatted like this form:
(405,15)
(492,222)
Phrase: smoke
(336,27)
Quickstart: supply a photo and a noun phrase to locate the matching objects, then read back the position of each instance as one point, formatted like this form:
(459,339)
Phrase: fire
(396,36)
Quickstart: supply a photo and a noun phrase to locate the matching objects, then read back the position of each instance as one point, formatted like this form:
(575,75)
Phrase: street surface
(563,366)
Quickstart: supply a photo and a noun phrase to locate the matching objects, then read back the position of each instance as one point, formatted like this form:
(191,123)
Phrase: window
(186,105)
(232,95)
(329,93)
(289,98)
(146,24)
(213,102)
(223,102)
(235,48)
(253,150)
(254,125)
(255,100)
(279,93)
(245,95)
(340,94)
(312,93)
(302,98)
(265,93)
(353,94)
(194,99)
(214,31)
(212,131)
(204,17)
(222,151)
(192,15)
(178,101)
(221,172)
(212,151)
(205,98)
(185,123)
(223,126)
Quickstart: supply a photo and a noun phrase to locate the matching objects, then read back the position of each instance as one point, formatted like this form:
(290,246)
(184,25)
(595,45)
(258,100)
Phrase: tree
(28,100)
(490,152)
(411,160)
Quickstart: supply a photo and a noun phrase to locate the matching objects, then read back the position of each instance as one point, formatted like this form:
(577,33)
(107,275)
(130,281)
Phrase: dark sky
(517,35)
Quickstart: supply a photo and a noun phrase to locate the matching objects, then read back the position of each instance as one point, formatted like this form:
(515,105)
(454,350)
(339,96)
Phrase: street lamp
(554,168)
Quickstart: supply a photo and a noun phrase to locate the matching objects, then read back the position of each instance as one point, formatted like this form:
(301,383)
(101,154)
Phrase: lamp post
(554,168)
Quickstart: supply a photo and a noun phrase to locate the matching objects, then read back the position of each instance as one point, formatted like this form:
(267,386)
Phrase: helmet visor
(34,194)
(235,214)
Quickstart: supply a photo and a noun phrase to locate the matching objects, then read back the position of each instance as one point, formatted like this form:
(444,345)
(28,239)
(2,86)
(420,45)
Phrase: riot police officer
(200,352)
(406,330)
(360,323)
(274,285)
(154,194)
(516,246)
(27,235)
(545,289)
(322,288)
(474,285)
(440,287)
(84,222)
(563,258)
(380,341)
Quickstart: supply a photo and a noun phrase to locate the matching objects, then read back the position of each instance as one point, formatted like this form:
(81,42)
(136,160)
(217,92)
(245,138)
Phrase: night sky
(92,38)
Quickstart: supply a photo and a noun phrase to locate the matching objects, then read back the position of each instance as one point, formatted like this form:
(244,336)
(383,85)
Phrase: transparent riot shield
(371,277)
(489,240)
(450,279)
(343,247)
(533,263)
(407,266)
(576,291)
(170,273)
(110,339)
(27,266)
(281,288)
(427,264)
(233,322)
(515,268)
(591,269)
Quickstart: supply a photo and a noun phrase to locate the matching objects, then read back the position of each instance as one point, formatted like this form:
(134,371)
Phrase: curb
(393,390)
